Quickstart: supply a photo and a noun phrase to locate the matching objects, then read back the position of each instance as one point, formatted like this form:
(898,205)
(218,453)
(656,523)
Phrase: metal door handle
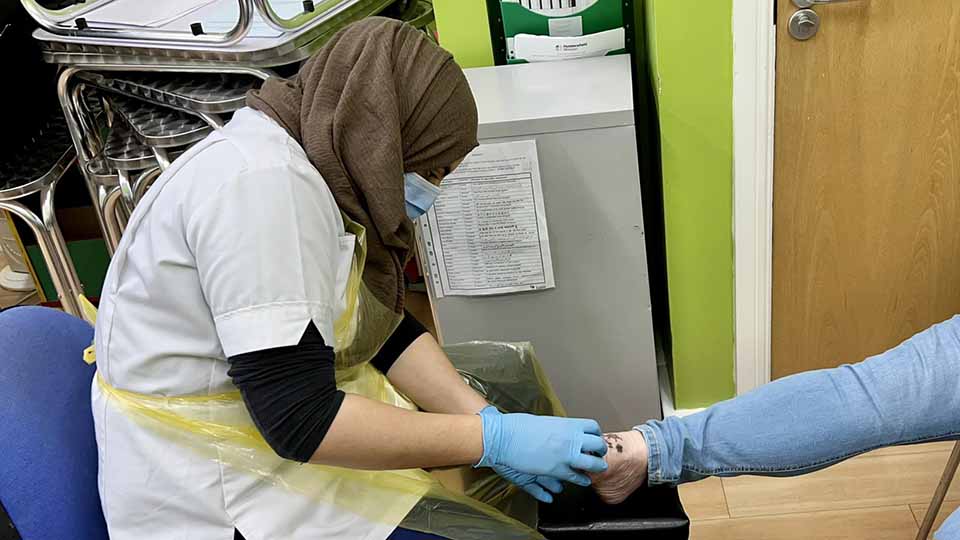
(804,4)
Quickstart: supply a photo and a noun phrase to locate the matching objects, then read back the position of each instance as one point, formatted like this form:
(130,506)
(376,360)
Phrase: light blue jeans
(803,423)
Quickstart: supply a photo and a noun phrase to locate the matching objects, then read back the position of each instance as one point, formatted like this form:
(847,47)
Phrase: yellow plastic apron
(219,428)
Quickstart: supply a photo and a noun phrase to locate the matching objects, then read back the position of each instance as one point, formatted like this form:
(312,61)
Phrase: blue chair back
(48,451)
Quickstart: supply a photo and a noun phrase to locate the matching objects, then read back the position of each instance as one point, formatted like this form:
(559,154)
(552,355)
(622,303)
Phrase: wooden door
(867,180)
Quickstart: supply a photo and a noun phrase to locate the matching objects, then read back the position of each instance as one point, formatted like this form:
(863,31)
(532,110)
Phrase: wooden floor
(881,495)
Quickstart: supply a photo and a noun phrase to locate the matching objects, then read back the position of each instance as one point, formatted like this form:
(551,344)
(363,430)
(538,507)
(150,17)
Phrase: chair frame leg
(940,494)
(126,190)
(79,138)
(144,181)
(54,249)
(109,200)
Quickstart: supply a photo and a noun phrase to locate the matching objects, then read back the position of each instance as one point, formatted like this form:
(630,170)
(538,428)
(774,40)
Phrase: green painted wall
(691,43)
(464,30)
(691,49)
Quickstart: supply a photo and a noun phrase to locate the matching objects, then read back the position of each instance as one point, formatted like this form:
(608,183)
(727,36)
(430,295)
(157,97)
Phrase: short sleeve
(266,249)
(406,333)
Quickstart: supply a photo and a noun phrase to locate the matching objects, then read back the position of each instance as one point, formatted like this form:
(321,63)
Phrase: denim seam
(720,471)
(654,454)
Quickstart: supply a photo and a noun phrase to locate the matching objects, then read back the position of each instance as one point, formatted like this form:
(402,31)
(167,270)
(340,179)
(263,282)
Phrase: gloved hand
(540,487)
(561,448)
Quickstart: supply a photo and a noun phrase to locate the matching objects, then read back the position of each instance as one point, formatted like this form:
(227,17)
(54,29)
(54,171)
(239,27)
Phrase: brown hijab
(378,100)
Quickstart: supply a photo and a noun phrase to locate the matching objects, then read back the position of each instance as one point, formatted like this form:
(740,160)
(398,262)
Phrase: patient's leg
(807,422)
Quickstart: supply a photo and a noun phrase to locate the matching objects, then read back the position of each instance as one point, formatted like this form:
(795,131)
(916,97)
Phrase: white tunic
(234,249)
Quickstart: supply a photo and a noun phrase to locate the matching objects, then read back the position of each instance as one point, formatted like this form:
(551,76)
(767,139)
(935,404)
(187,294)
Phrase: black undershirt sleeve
(291,393)
(406,333)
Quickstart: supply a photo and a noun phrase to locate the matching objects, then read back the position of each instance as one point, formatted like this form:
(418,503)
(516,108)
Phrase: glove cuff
(491,420)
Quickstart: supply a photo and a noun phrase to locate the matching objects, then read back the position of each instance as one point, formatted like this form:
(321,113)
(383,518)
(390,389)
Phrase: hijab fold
(378,100)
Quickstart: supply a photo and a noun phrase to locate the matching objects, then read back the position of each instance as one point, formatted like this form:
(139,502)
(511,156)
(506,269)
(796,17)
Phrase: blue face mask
(419,194)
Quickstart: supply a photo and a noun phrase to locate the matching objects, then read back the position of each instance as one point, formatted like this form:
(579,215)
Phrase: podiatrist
(265,266)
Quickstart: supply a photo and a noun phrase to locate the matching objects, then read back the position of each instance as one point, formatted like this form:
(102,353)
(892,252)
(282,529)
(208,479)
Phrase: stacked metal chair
(35,168)
(37,151)
(141,82)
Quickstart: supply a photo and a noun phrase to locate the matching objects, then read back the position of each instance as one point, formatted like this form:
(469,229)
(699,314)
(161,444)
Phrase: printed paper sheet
(487,233)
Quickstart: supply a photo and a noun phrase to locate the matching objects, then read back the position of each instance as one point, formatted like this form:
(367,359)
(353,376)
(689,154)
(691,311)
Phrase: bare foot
(627,458)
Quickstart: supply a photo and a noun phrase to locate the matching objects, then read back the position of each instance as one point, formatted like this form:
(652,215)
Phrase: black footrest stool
(654,513)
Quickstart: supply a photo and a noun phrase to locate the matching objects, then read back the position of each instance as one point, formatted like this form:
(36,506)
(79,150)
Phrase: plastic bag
(508,375)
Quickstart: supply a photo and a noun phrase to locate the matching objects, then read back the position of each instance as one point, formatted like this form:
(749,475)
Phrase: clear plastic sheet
(219,428)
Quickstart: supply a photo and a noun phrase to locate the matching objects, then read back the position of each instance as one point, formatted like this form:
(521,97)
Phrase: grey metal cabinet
(593,332)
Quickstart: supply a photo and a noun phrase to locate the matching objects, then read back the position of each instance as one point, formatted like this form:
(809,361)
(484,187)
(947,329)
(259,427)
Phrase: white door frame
(754,79)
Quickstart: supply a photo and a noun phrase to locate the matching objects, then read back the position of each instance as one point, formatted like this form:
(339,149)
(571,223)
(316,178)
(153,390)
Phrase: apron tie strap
(89,312)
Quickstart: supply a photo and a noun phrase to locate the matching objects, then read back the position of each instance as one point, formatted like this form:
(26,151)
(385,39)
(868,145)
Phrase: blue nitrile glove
(540,487)
(542,445)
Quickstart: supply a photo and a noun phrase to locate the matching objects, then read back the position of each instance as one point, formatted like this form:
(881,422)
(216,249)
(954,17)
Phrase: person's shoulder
(265,148)
(262,141)
(250,148)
